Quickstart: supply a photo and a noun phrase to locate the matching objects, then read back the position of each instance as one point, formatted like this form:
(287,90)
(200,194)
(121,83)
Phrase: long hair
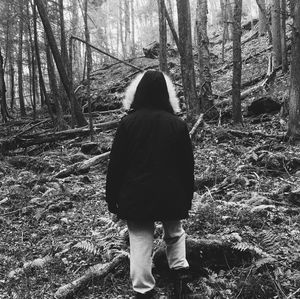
(153,90)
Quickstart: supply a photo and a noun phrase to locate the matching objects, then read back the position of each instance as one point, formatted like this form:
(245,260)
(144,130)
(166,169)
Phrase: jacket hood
(151,89)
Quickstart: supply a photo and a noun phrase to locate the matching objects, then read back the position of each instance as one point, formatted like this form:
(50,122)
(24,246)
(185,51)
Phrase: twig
(196,125)
(292,295)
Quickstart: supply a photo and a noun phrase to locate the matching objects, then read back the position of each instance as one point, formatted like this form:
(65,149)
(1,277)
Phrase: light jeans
(141,236)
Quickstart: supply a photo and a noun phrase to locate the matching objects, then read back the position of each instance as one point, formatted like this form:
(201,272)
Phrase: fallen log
(29,140)
(203,253)
(81,167)
(94,273)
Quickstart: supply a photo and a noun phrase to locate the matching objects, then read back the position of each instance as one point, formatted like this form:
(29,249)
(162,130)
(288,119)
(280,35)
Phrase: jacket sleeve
(187,164)
(116,169)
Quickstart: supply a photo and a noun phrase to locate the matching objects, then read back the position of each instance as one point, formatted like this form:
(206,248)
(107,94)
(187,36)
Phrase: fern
(266,261)
(88,247)
(269,241)
(244,246)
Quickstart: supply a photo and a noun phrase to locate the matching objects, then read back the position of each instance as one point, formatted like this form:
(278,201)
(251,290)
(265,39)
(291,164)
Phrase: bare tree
(203,56)
(76,109)
(283,36)
(186,58)
(89,65)
(20,59)
(237,63)
(294,105)
(3,105)
(162,36)
(276,36)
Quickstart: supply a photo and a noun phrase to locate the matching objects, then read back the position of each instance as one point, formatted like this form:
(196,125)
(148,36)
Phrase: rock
(263,105)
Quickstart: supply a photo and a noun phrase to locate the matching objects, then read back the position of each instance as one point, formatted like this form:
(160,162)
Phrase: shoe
(181,290)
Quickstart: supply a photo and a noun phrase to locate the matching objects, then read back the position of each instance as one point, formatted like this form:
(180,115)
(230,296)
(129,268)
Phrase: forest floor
(247,196)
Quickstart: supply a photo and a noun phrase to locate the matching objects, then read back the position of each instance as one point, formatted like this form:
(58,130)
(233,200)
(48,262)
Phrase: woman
(151,177)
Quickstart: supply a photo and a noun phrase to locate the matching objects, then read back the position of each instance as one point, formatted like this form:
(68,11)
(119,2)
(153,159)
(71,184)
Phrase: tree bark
(76,109)
(89,65)
(263,17)
(294,106)
(3,105)
(20,60)
(187,59)
(203,56)
(237,64)
(283,36)
(133,50)
(276,36)
(163,64)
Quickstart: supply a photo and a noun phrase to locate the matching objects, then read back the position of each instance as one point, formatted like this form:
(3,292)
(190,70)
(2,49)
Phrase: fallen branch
(196,125)
(81,167)
(96,272)
(29,140)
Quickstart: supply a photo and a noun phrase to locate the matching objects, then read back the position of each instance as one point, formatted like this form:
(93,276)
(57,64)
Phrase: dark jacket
(151,169)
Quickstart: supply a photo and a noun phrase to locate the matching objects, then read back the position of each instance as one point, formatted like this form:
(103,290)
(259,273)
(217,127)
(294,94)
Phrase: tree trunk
(133,52)
(294,107)
(38,60)
(121,33)
(276,36)
(237,63)
(3,107)
(187,59)
(32,65)
(263,16)
(20,60)
(283,36)
(76,109)
(163,64)
(262,25)
(127,25)
(203,56)
(64,55)
(89,65)
(12,81)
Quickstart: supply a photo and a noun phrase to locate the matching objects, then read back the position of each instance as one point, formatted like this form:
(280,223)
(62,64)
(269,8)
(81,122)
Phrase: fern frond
(88,247)
(243,246)
(264,262)
(268,241)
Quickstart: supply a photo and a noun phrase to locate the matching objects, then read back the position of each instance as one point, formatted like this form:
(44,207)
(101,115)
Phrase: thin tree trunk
(294,105)
(133,52)
(237,63)
(127,25)
(121,34)
(203,56)
(38,60)
(20,60)
(89,66)
(76,109)
(283,36)
(12,81)
(171,26)
(187,59)
(276,36)
(163,64)
(3,107)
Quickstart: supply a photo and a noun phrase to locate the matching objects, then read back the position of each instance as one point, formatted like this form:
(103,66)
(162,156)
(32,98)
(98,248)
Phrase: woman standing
(151,178)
